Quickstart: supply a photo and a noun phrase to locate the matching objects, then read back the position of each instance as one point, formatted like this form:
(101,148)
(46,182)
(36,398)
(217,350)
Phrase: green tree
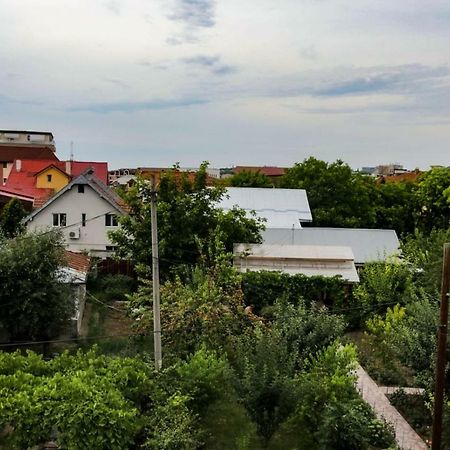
(11,218)
(250,178)
(396,207)
(35,303)
(433,199)
(337,196)
(187,221)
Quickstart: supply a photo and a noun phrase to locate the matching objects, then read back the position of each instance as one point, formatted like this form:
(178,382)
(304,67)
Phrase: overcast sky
(262,82)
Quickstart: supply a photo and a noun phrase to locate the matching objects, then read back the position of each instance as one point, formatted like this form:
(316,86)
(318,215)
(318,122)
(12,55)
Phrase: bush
(113,287)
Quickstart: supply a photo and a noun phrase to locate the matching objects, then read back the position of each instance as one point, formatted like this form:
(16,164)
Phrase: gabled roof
(100,188)
(77,261)
(52,166)
(282,208)
(367,244)
(23,181)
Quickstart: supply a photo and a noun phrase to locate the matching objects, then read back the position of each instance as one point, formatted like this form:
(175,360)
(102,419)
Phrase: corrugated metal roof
(282,208)
(327,261)
(367,245)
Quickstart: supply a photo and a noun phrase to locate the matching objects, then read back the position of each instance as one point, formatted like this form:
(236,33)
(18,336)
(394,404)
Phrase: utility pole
(155,278)
(441,353)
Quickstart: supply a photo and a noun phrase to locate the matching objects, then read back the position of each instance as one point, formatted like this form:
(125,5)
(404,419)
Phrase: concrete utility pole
(155,278)
(441,352)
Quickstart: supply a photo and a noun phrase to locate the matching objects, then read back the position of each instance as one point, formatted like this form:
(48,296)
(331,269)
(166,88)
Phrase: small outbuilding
(309,260)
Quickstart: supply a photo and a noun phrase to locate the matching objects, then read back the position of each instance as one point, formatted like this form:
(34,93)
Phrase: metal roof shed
(282,208)
(327,261)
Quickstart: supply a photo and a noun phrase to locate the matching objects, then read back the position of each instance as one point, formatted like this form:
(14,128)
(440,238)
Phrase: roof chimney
(69,167)
(18,165)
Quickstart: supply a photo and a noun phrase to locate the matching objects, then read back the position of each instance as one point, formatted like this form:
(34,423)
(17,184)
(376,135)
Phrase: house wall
(59,180)
(93,237)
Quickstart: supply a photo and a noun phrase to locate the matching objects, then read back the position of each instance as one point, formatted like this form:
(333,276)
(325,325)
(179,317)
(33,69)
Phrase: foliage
(267,358)
(262,289)
(250,178)
(338,197)
(11,218)
(330,406)
(172,426)
(187,221)
(81,401)
(112,287)
(406,336)
(206,309)
(395,207)
(382,285)
(424,251)
(433,199)
(35,303)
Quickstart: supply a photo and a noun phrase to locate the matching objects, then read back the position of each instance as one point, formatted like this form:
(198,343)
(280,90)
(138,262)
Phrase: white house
(281,208)
(327,261)
(85,210)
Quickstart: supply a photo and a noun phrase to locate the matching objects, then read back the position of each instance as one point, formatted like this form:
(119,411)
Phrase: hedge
(262,289)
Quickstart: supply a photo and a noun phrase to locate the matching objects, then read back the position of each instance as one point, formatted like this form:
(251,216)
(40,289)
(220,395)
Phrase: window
(49,177)
(111,220)
(83,219)
(81,188)
(5,165)
(59,220)
(110,248)
(5,180)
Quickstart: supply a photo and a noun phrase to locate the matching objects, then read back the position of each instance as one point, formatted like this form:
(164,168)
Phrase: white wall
(93,237)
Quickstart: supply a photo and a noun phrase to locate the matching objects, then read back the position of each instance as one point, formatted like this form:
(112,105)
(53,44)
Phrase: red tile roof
(269,171)
(78,261)
(23,182)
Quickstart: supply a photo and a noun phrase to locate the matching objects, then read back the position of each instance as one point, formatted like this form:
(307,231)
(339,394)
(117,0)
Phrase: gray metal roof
(367,245)
(282,208)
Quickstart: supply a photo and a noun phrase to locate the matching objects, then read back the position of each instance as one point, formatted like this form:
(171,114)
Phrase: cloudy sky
(154,82)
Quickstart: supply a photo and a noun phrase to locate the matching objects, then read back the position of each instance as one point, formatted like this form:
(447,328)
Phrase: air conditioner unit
(75,234)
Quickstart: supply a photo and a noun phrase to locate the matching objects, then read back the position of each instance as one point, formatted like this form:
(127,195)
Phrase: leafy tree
(331,409)
(433,199)
(395,207)
(35,303)
(337,196)
(382,285)
(187,221)
(250,178)
(11,218)
(206,309)
(268,357)
(424,252)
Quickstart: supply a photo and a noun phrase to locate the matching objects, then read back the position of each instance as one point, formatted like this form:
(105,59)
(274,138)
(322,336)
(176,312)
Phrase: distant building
(281,208)
(271,172)
(24,145)
(326,261)
(85,210)
(390,169)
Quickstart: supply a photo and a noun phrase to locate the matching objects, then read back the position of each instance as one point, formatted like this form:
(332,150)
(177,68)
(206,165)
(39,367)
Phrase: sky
(233,82)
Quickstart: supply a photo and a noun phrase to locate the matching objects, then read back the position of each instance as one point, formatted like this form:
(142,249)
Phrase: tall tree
(188,221)
(337,196)
(34,302)
(433,199)
(250,178)
(11,218)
